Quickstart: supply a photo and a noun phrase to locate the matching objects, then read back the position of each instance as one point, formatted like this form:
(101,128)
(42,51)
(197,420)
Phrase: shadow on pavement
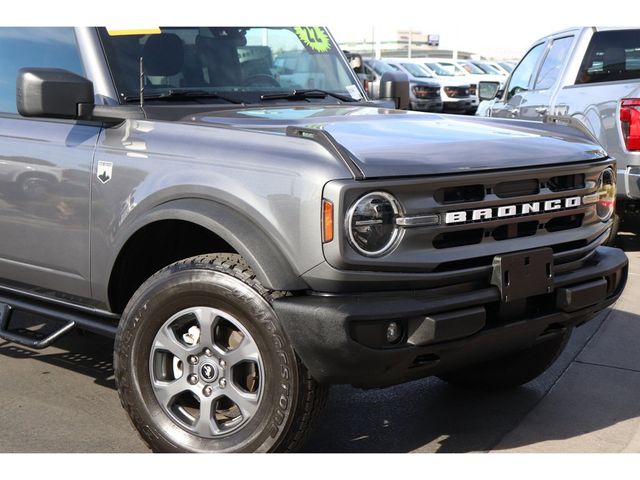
(80,352)
(427,413)
(594,408)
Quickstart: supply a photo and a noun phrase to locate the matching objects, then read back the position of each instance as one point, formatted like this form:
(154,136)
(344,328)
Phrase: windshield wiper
(179,94)
(305,94)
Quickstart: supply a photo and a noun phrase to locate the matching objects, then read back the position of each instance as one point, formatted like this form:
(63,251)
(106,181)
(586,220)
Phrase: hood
(459,81)
(477,78)
(391,143)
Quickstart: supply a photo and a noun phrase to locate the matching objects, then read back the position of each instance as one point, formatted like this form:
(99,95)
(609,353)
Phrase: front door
(45,171)
(515,97)
(540,98)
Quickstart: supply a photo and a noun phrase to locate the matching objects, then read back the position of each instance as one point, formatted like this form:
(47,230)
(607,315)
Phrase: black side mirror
(53,93)
(488,90)
(395,86)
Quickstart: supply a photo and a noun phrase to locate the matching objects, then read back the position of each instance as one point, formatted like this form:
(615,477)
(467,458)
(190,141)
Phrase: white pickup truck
(588,74)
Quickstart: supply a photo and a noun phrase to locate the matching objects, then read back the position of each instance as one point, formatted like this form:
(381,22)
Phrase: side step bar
(71,318)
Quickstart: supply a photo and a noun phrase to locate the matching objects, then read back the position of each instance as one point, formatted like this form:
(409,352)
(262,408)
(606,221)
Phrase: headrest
(163,55)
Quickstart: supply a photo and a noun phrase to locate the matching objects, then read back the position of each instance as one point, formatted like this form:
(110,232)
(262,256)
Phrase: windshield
(439,70)
(240,63)
(379,67)
(508,67)
(472,68)
(416,70)
(488,68)
(452,68)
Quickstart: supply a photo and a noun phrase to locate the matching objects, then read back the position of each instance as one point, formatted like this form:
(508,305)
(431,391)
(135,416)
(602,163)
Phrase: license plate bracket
(523,274)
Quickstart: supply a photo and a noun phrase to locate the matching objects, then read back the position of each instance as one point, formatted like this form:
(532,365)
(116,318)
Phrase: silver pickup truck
(587,74)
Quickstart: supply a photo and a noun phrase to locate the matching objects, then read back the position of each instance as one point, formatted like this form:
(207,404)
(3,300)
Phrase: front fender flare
(269,263)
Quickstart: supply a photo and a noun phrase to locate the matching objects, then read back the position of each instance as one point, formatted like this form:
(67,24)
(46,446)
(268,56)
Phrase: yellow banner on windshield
(114,32)
(315,39)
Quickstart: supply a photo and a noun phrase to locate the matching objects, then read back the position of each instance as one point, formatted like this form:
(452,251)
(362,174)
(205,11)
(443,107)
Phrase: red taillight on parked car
(630,122)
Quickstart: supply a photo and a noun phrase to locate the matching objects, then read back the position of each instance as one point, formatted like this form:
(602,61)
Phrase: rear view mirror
(53,93)
(488,90)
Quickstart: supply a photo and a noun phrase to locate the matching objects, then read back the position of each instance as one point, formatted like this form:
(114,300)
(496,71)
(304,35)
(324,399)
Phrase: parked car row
(436,84)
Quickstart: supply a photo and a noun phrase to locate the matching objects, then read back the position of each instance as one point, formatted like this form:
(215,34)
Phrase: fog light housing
(394,332)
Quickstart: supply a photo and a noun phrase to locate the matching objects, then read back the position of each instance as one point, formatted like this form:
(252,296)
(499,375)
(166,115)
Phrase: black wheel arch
(271,266)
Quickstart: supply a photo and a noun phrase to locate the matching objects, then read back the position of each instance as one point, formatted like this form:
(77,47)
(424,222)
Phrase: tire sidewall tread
(294,399)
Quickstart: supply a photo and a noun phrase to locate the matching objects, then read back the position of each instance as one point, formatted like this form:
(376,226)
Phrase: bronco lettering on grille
(503,211)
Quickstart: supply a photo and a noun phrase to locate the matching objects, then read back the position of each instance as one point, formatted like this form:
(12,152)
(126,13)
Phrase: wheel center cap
(208,372)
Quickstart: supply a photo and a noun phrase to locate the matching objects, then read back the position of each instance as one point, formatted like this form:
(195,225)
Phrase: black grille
(564,223)
(517,189)
(515,230)
(456,92)
(566,220)
(487,196)
(487,260)
(566,182)
(459,238)
(433,92)
(462,194)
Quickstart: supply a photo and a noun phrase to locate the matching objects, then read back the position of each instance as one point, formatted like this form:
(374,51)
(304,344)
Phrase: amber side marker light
(327,221)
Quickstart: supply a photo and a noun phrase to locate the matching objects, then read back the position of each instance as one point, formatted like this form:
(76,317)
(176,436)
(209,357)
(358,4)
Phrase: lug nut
(223,363)
(223,382)
(193,360)
(208,352)
(207,391)
(192,379)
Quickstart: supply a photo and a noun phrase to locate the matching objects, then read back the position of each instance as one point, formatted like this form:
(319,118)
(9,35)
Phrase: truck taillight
(630,122)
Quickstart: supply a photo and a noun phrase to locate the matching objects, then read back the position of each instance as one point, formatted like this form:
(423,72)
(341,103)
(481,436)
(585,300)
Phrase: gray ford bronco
(229,205)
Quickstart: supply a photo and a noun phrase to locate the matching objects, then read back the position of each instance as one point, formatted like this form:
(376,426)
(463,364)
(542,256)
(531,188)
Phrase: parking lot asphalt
(63,399)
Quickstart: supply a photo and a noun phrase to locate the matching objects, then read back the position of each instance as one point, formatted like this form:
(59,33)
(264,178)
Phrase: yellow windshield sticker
(315,38)
(114,32)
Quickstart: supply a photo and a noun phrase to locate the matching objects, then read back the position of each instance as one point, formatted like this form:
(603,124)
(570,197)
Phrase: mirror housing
(395,86)
(53,93)
(488,90)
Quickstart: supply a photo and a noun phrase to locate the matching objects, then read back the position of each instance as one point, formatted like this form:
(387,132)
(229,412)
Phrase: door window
(34,47)
(521,76)
(552,65)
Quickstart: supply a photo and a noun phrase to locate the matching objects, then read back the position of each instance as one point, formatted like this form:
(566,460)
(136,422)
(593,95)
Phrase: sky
(497,28)
(482,26)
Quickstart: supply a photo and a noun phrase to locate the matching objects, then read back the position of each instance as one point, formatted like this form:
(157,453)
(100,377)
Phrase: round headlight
(371,224)
(606,203)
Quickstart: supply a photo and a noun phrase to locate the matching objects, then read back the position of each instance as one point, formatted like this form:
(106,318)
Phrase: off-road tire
(512,370)
(291,398)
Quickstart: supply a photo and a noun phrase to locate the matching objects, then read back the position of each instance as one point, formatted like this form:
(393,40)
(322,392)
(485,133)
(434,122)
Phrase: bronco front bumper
(342,338)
